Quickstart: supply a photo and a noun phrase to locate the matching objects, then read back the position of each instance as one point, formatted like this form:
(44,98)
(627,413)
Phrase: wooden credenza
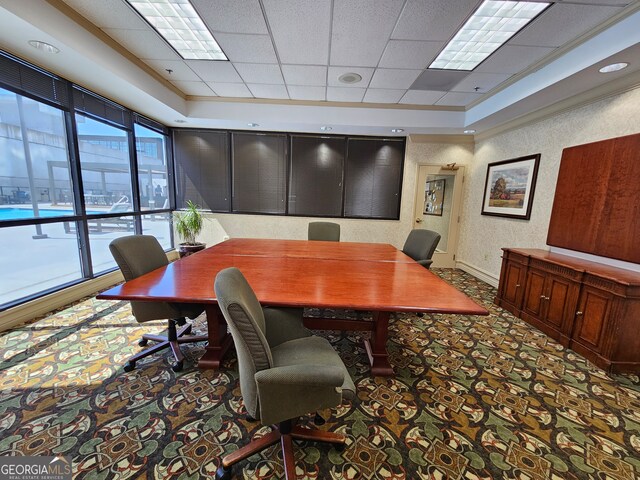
(592,308)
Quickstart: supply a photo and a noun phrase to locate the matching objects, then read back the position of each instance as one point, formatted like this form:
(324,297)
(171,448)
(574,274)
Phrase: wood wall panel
(596,207)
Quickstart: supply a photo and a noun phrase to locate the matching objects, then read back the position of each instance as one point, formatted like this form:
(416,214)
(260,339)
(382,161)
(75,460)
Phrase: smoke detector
(349,78)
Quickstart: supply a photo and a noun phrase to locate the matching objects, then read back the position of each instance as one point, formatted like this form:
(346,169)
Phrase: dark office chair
(420,245)
(140,254)
(327,231)
(285,371)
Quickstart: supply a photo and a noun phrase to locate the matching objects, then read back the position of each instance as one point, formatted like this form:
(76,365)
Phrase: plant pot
(186,249)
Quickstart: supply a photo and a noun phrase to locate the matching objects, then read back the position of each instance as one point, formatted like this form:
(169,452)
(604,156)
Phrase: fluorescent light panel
(181,26)
(489,27)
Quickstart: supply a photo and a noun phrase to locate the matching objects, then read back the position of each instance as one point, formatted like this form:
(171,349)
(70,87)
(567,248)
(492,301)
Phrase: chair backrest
(421,244)
(327,231)
(245,318)
(137,255)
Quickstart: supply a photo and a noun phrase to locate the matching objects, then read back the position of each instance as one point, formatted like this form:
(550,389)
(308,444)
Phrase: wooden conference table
(295,273)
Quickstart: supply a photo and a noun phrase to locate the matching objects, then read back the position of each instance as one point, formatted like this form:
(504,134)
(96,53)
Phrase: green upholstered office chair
(327,231)
(140,254)
(420,245)
(285,371)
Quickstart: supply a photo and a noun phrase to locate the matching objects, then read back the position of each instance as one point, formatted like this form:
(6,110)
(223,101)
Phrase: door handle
(418,220)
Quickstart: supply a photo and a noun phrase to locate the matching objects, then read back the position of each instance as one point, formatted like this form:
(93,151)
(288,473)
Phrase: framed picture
(508,190)
(434,197)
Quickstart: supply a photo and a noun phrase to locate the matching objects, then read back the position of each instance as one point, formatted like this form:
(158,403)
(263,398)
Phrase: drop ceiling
(285,57)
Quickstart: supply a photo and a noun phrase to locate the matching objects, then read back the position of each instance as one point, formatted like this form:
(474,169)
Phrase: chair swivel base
(173,340)
(284,434)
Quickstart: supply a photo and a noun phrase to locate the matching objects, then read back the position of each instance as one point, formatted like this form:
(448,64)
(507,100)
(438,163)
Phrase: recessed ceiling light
(252,125)
(179,120)
(181,26)
(470,131)
(491,25)
(614,67)
(44,46)
(349,78)
(397,130)
(326,128)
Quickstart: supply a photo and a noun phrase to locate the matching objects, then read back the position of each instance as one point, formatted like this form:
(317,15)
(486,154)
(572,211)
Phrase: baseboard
(478,273)
(30,310)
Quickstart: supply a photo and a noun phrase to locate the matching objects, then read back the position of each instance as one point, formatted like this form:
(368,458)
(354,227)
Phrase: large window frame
(28,81)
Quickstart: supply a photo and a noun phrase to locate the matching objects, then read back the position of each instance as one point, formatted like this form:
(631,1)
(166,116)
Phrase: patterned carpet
(473,398)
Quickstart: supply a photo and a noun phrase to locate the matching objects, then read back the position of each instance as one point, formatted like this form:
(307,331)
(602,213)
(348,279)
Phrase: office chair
(140,254)
(285,371)
(420,245)
(327,231)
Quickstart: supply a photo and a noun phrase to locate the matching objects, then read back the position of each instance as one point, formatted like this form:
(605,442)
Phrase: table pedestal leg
(219,339)
(377,347)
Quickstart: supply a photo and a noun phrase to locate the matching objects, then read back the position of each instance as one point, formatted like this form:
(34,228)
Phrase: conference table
(371,277)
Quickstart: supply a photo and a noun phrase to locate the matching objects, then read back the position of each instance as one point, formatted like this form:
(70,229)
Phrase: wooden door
(560,304)
(534,296)
(594,306)
(513,286)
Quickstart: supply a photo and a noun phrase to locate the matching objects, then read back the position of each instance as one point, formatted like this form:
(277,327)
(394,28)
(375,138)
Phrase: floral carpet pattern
(473,398)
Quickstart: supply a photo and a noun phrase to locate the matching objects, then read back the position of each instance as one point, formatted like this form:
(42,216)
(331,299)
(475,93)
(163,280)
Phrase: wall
(423,150)
(482,237)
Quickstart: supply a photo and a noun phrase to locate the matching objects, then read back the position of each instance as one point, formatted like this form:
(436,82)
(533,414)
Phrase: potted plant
(188,226)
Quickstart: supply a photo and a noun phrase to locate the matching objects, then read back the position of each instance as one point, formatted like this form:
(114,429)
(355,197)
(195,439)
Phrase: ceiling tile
(421,97)
(432,19)
(180,71)
(305,75)
(215,71)
(383,95)
(143,44)
(486,82)
(393,78)
(361,29)
(458,99)
(231,89)
(305,92)
(232,16)
(618,3)
(260,73)
(247,48)
(335,72)
(194,88)
(562,23)
(109,14)
(512,59)
(268,91)
(300,30)
(409,54)
(339,94)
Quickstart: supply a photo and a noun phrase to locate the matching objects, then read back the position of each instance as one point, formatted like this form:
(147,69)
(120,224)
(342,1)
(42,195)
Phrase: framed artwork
(509,187)
(434,197)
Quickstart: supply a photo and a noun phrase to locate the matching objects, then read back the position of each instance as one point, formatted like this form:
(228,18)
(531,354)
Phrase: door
(437,207)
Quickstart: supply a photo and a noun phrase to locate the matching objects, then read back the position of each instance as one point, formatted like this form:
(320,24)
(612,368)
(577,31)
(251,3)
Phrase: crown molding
(435,138)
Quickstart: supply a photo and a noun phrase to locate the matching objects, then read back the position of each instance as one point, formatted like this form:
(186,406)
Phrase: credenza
(592,308)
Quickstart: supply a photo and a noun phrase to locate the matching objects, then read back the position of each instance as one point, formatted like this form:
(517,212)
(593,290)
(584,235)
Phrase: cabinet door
(534,293)
(591,318)
(561,300)
(514,277)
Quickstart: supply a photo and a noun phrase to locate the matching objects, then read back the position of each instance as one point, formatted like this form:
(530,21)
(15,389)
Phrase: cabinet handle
(517,285)
(578,313)
(543,297)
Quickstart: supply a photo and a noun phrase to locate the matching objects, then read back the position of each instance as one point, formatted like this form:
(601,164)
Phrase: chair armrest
(292,391)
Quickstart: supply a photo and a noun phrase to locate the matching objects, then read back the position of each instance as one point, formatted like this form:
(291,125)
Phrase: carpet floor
(473,398)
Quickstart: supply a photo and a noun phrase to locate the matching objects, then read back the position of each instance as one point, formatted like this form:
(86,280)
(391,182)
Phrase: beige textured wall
(351,230)
(482,236)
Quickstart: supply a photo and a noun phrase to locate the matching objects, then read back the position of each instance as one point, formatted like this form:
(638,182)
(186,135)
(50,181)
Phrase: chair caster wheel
(181,322)
(143,342)
(223,473)
(318,420)
(177,367)
(129,366)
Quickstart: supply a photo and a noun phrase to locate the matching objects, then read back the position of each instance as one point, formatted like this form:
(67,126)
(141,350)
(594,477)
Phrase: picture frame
(434,197)
(509,187)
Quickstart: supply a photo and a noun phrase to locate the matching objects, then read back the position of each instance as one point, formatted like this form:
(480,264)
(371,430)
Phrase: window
(202,169)
(316,176)
(153,177)
(259,173)
(373,178)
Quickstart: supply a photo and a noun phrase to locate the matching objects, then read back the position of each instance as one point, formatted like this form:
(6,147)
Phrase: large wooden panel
(596,208)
